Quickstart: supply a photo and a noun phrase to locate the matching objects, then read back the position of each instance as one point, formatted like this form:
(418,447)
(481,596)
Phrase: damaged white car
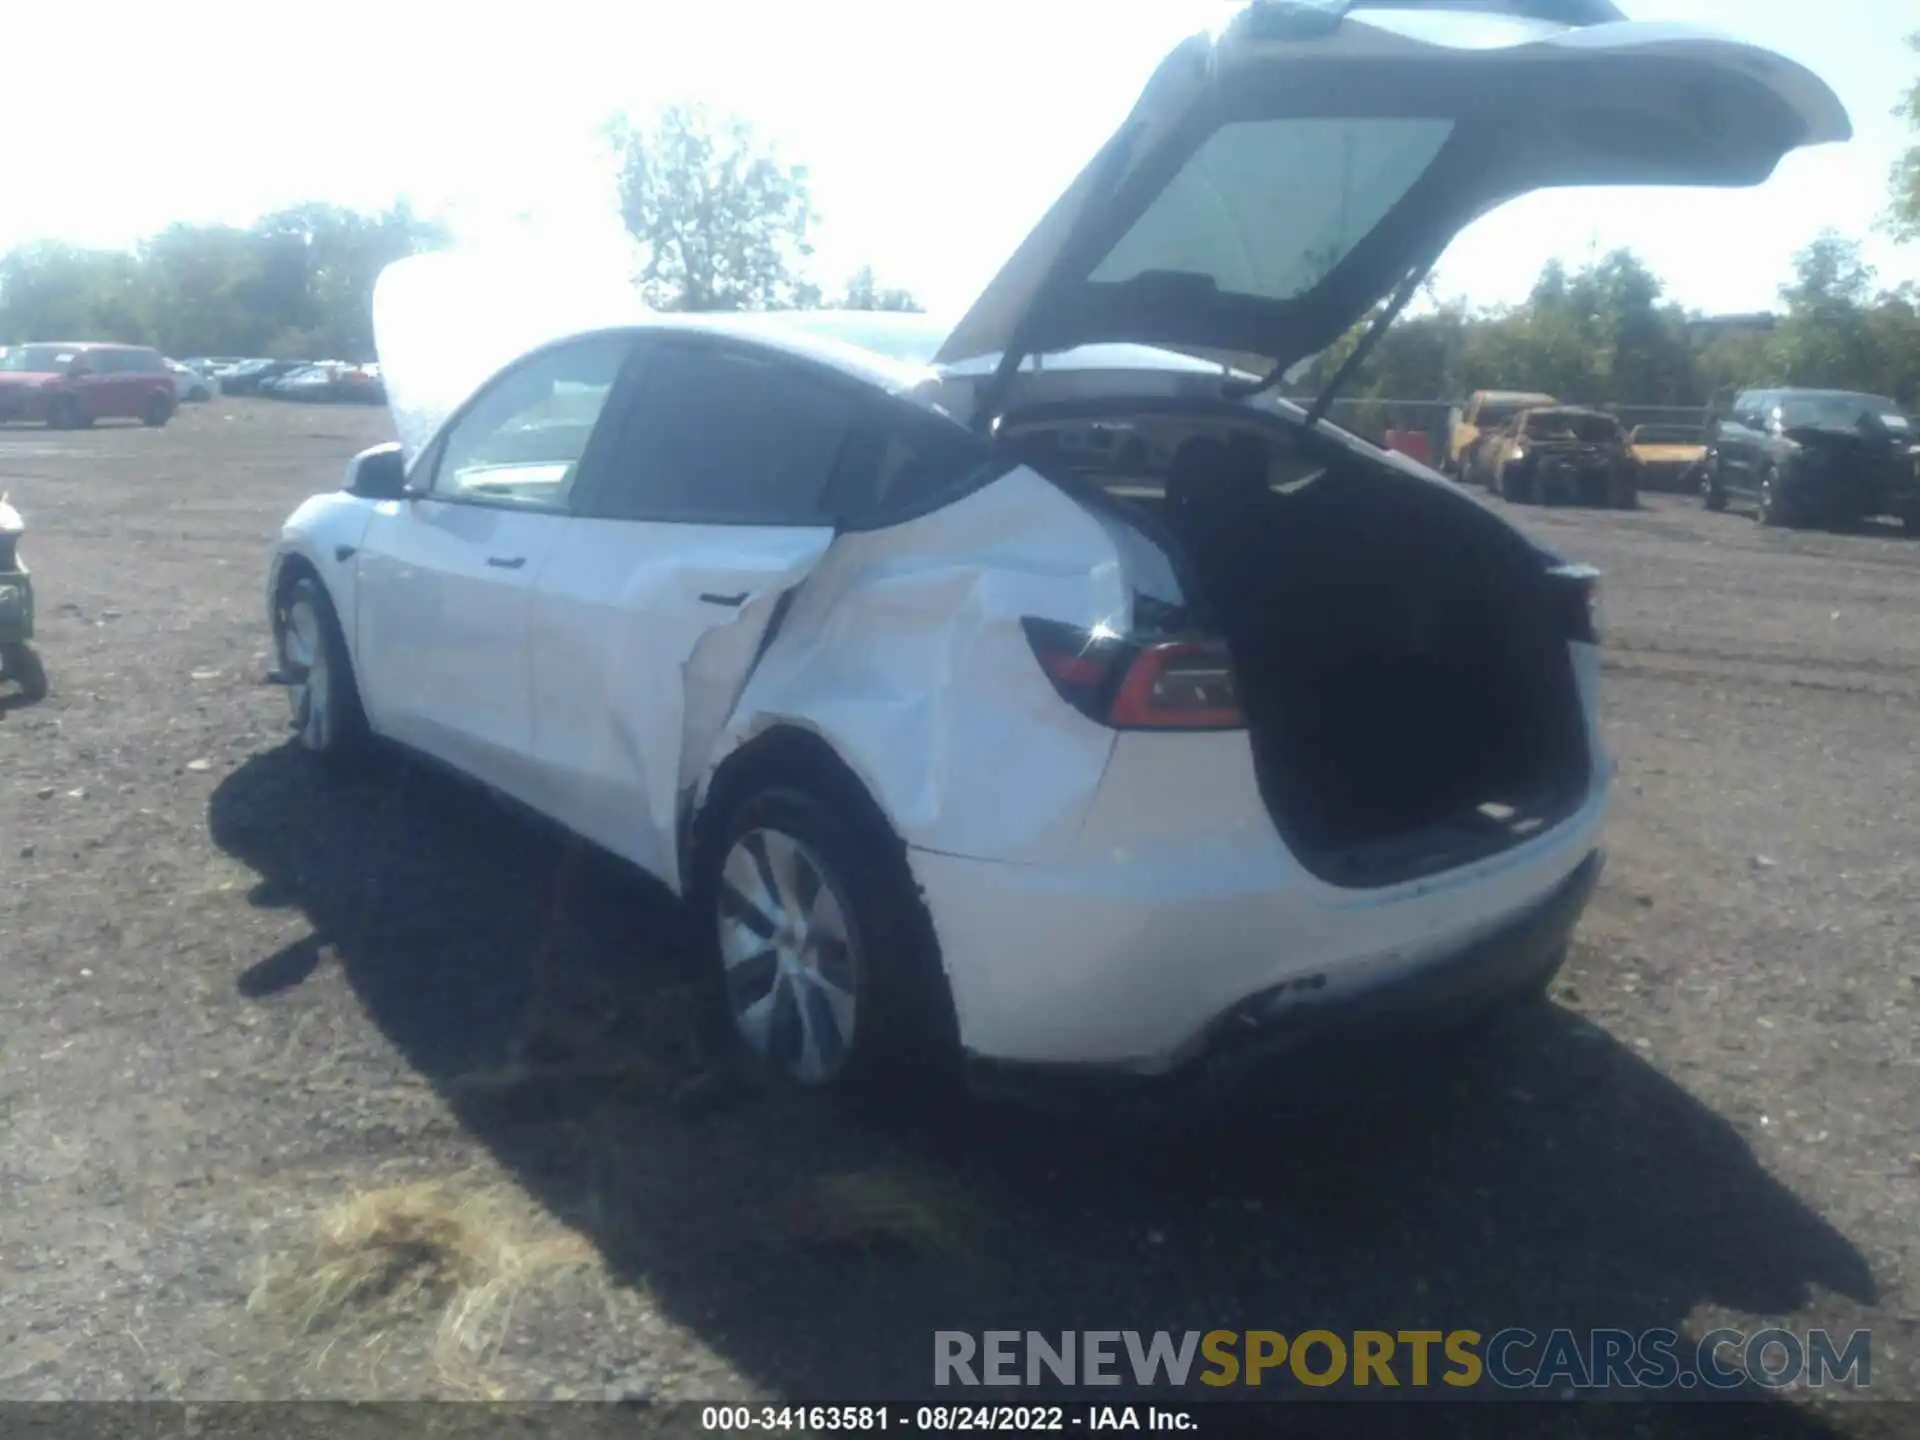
(1065,700)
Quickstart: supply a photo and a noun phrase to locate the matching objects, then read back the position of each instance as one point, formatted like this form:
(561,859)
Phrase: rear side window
(725,438)
(903,463)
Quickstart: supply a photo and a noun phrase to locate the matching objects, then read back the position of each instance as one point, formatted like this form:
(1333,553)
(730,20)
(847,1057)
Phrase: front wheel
(323,700)
(63,413)
(1711,495)
(1770,509)
(814,946)
(157,411)
(21,664)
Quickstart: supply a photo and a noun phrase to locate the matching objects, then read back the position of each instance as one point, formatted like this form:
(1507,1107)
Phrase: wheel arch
(795,751)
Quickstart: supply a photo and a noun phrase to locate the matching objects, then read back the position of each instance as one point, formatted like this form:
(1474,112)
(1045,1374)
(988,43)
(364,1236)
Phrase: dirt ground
(372,1089)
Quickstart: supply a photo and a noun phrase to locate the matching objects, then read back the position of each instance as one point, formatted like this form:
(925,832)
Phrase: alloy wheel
(789,954)
(303,653)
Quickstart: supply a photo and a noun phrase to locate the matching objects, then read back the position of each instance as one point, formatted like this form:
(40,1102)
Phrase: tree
(721,220)
(1903,213)
(1825,338)
(298,283)
(864,292)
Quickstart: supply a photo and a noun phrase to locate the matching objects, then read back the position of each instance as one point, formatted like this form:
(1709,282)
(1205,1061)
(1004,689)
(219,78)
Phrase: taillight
(1185,684)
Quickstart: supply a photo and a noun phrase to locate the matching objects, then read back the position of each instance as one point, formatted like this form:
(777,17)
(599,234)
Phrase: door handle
(505,562)
(730,601)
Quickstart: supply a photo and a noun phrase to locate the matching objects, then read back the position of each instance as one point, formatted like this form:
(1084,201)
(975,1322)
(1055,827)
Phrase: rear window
(1268,208)
(1836,408)
(1558,425)
(1495,413)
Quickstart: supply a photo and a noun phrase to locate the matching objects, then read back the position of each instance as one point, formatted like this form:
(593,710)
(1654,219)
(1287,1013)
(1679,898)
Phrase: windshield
(37,359)
(1495,413)
(1839,409)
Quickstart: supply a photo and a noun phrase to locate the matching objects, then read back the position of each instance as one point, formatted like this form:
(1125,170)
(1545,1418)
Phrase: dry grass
(430,1254)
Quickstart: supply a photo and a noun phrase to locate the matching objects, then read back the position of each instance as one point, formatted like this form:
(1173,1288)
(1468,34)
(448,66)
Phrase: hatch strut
(1398,301)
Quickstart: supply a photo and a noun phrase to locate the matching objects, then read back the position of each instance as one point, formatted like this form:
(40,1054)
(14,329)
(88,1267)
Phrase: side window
(903,463)
(104,362)
(521,441)
(153,362)
(726,438)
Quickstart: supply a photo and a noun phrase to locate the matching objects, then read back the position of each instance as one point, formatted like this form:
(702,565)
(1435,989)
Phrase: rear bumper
(1253,1041)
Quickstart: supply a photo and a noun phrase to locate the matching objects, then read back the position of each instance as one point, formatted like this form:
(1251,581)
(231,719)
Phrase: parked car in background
(249,377)
(1561,453)
(314,383)
(1672,457)
(213,364)
(360,385)
(191,384)
(1807,457)
(69,385)
(700,589)
(1485,410)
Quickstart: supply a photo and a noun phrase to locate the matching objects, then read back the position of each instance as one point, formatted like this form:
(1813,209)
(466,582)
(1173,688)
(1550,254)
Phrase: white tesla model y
(1039,690)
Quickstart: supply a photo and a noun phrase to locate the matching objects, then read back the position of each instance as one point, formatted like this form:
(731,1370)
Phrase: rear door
(711,508)
(1274,181)
(446,578)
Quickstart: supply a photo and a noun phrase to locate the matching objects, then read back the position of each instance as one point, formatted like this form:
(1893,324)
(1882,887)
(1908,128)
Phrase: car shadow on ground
(1551,1178)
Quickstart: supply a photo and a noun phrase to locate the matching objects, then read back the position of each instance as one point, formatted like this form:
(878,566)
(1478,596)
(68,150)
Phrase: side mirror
(377,474)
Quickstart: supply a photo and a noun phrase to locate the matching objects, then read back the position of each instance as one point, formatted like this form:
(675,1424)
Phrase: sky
(935,132)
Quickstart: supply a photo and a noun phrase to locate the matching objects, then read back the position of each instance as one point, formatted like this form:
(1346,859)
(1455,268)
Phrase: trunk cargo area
(1400,654)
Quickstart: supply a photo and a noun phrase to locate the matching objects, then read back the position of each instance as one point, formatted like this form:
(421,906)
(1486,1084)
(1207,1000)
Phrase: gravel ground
(316,1089)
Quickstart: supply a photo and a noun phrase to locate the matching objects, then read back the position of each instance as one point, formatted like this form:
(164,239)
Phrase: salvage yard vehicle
(1484,412)
(68,386)
(1672,457)
(1815,457)
(1561,453)
(962,757)
(19,662)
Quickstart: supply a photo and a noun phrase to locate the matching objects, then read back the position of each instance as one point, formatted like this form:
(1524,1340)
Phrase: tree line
(1604,333)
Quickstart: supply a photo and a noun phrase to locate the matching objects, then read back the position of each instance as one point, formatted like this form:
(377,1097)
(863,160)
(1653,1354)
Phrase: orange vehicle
(1485,410)
(1672,457)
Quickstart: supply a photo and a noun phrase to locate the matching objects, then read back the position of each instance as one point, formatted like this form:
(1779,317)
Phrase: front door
(446,578)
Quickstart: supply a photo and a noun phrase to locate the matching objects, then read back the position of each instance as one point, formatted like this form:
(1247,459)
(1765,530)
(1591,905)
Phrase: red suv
(67,386)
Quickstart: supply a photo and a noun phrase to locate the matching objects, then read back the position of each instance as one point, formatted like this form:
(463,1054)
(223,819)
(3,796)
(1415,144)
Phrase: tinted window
(723,437)
(521,441)
(903,463)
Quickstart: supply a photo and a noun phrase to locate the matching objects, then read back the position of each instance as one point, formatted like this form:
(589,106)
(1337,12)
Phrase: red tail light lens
(1139,685)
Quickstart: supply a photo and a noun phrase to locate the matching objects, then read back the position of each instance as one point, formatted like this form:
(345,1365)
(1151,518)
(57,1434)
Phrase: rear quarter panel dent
(904,652)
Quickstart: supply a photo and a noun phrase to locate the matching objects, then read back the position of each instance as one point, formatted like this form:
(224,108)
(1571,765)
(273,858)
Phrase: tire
(21,664)
(826,979)
(1711,495)
(63,413)
(1507,482)
(1769,509)
(156,412)
(322,696)
(1910,522)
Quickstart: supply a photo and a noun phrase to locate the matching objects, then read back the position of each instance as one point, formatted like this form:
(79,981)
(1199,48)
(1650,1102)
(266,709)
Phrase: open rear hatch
(1404,660)
(1275,180)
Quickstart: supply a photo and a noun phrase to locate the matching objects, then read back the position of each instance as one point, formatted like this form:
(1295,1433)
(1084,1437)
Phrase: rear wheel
(20,663)
(817,954)
(1711,495)
(157,411)
(63,413)
(322,697)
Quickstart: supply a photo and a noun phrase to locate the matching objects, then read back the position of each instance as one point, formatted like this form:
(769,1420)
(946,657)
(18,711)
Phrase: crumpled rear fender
(904,651)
